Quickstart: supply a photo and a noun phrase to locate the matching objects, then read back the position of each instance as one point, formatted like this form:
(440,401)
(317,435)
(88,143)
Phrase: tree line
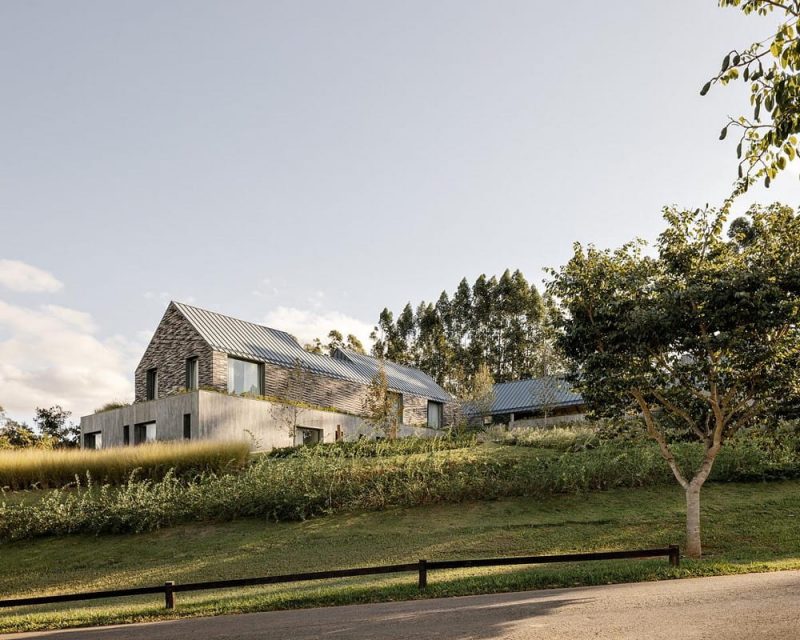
(502,324)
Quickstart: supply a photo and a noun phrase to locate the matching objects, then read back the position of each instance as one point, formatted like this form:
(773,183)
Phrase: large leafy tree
(771,67)
(54,424)
(704,335)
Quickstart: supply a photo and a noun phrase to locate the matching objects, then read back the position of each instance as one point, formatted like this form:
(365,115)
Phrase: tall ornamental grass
(302,487)
(43,468)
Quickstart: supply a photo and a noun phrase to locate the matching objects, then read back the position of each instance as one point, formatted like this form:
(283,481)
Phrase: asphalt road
(747,607)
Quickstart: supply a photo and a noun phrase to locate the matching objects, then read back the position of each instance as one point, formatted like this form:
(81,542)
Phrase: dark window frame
(260,365)
(92,436)
(140,432)
(187,426)
(192,373)
(126,434)
(151,384)
(440,411)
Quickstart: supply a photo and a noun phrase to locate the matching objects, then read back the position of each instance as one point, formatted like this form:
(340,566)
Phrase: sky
(306,164)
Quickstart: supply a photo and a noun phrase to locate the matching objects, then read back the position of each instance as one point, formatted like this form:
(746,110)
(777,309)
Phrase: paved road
(748,607)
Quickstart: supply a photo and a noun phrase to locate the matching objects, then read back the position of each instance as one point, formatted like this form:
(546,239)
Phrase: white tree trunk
(694,548)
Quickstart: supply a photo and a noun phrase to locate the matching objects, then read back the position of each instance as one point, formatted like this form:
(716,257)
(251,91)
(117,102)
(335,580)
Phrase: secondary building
(208,375)
(536,402)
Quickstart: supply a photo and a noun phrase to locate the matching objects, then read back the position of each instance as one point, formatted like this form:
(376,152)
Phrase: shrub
(315,481)
(367,448)
(40,468)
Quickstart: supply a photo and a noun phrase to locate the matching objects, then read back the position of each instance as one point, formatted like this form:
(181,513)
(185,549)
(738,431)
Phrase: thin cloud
(25,278)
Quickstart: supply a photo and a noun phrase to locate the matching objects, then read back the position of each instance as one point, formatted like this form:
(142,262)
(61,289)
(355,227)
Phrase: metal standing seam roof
(257,342)
(400,377)
(533,394)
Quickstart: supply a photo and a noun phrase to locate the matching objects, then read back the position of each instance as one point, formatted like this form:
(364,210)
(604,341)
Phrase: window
(93,440)
(244,377)
(192,379)
(144,432)
(187,426)
(126,434)
(306,435)
(152,384)
(435,410)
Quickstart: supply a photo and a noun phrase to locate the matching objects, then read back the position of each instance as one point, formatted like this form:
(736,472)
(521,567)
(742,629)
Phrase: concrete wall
(166,412)
(217,416)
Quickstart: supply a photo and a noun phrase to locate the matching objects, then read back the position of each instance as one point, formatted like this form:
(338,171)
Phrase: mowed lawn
(747,527)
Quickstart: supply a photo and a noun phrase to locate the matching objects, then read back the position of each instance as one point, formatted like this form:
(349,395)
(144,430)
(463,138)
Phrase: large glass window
(435,414)
(244,377)
(192,381)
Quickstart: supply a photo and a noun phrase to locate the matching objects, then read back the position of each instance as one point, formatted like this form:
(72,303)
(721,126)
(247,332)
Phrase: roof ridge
(229,317)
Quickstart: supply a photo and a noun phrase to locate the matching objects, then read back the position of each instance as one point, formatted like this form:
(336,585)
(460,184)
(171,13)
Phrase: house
(536,402)
(207,375)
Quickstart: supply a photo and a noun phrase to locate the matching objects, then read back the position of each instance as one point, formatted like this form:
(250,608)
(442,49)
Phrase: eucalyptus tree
(702,334)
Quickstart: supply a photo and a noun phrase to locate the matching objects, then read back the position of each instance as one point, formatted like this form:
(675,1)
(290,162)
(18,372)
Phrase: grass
(747,527)
(44,468)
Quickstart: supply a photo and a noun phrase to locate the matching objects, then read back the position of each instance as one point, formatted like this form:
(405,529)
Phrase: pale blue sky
(305,163)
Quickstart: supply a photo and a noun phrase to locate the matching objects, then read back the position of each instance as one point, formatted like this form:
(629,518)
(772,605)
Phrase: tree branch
(658,437)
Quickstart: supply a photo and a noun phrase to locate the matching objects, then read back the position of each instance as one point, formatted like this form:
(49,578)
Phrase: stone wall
(174,341)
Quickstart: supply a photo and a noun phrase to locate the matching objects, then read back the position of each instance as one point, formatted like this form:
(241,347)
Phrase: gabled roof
(257,342)
(533,395)
(400,377)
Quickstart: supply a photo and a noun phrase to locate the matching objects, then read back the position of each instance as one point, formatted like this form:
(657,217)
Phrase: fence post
(423,574)
(169,594)
(674,555)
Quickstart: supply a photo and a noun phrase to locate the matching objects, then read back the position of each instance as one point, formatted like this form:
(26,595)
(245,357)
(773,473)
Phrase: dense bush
(41,468)
(306,485)
(368,448)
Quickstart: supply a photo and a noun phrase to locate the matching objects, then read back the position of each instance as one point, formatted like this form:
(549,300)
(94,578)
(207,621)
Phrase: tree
(288,413)
(53,424)
(496,322)
(17,435)
(380,405)
(771,68)
(335,341)
(703,335)
(480,395)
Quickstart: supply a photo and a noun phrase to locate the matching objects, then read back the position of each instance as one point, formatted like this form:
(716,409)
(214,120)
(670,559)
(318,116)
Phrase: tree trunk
(694,548)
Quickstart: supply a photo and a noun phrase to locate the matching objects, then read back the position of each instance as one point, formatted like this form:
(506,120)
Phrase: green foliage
(700,338)
(367,448)
(380,405)
(771,67)
(335,341)
(54,425)
(41,468)
(18,435)
(319,482)
(110,406)
(497,323)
